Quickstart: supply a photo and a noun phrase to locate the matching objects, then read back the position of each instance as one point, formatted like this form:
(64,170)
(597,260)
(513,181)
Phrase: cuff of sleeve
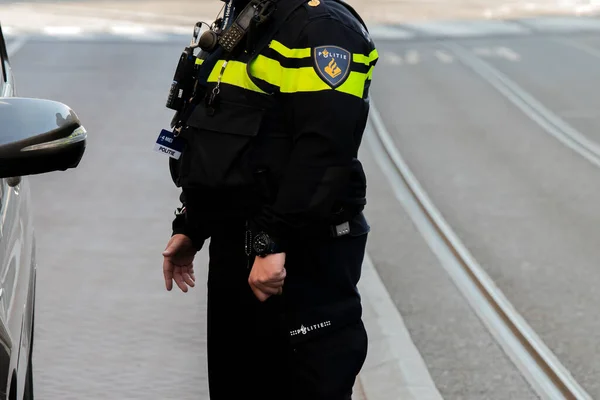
(179,224)
(180,227)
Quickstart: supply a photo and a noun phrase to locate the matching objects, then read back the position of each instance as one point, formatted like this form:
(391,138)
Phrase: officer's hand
(267,276)
(178,263)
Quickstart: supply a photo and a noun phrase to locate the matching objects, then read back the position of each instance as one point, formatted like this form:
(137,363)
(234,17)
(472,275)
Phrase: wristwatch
(263,245)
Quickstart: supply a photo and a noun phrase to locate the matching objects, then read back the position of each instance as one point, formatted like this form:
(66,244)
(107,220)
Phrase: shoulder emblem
(332,63)
(314,3)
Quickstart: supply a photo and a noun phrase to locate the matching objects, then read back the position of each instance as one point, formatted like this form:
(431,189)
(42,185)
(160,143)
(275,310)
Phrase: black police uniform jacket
(278,146)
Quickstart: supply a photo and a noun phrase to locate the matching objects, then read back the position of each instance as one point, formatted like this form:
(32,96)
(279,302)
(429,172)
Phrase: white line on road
(444,57)
(128,30)
(392,58)
(412,57)
(389,33)
(507,53)
(497,52)
(530,106)
(63,30)
(132,13)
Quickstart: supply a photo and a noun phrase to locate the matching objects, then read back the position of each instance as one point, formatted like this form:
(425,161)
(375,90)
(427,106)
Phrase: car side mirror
(38,136)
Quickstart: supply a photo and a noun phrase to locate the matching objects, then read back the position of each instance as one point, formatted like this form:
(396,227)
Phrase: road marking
(412,57)
(530,106)
(470,29)
(392,58)
(140,33)
(131,13)
(558,7)
(389,33)
(92,19)
(562,24)
(128,30)
(63,30)
(15,46)
(415,57)
(507,53)
(444,57)
(498,52)
(539,366)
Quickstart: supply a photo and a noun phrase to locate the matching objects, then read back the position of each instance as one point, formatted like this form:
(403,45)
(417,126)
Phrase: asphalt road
(525,205)
(106,327)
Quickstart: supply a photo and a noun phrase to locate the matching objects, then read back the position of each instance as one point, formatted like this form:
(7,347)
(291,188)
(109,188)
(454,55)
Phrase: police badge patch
(332,63)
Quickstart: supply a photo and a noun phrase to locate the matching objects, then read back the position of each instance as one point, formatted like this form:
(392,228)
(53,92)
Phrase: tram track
(541,368)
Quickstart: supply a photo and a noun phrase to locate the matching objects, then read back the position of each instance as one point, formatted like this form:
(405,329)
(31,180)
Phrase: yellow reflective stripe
(289,53)
(266,69)
(362,59)
(370,73)
(199,61)
(302,80)
(235,74)
(306,79)
(288,80)
(354,85)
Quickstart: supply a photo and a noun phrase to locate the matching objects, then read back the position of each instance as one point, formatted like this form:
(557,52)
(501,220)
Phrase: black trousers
(251,351)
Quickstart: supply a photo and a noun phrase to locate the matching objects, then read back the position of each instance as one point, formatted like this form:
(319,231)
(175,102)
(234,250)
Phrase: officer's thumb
(173,247)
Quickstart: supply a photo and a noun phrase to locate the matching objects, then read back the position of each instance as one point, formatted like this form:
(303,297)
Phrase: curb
(394,369)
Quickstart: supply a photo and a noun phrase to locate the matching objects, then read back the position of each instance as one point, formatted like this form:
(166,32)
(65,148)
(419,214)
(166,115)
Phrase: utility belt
(354,227)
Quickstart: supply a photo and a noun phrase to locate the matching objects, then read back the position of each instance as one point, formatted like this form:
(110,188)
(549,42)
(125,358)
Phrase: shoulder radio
(220,33)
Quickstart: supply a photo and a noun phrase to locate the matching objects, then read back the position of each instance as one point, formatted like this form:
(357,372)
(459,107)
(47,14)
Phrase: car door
(17,261)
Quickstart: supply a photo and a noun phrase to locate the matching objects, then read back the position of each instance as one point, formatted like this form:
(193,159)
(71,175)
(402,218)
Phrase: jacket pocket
(219,146)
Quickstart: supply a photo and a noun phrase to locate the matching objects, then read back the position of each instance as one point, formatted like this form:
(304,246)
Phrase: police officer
(270,174)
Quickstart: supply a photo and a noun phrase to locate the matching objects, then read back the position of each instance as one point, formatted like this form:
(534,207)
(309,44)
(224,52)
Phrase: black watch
(263,245)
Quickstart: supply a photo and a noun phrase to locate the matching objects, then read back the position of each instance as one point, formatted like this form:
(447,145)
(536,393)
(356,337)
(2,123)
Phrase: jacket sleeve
(327,116)
(182,225)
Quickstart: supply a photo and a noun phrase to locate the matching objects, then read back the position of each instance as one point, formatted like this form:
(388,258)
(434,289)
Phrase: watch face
(261,243)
